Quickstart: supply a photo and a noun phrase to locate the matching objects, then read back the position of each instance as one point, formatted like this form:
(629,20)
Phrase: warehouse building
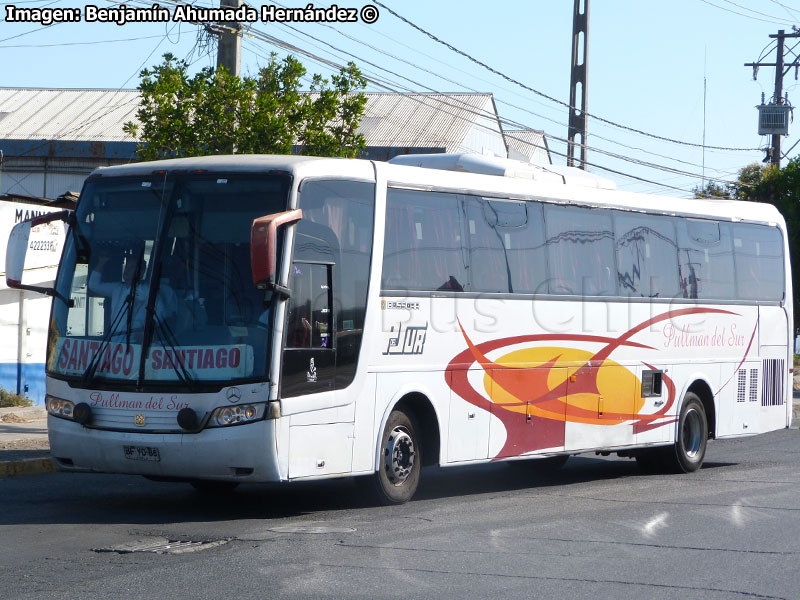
(51,139)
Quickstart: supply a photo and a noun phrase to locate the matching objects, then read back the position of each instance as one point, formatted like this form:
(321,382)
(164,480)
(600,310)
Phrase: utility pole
(781,69)
(577,98)
(229,48)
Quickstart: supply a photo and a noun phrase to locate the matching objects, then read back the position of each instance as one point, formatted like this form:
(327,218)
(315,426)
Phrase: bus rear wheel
(687,455)
(397,478)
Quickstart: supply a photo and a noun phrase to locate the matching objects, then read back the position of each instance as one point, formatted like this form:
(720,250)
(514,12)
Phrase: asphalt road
(596,529)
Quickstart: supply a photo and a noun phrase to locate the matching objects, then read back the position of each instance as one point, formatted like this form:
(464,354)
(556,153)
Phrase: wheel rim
(692,434)
(399,456)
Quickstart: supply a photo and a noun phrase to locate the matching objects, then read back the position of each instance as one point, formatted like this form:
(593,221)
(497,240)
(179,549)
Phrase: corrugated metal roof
(529,143)
(423,120)
(405,120)
(53,114)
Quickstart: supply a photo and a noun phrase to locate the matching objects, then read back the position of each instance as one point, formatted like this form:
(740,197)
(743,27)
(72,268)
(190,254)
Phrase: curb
(30,466)
(25,412)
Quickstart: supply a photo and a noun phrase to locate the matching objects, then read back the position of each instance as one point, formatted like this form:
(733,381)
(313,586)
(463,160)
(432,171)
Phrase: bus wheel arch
(702,390)
(408,440)
(422,408)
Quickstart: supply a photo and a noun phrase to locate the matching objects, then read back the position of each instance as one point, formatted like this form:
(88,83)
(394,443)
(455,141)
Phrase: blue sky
(647,63)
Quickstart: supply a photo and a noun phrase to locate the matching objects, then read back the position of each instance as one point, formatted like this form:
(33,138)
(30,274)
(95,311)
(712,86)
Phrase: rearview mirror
(34,248)
(263,248)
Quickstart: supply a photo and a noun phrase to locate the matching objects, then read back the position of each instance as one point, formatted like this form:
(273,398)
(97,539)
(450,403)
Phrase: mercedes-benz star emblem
(233,394)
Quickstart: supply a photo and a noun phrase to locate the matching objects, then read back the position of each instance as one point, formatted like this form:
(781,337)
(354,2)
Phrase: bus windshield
(158,271)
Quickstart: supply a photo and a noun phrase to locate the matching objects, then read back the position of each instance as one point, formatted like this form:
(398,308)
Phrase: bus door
(309,356)
(309,364)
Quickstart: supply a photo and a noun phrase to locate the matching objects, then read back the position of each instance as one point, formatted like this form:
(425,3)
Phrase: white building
(24,315)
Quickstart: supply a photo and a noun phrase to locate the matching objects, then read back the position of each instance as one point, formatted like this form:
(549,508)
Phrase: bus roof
(552,184)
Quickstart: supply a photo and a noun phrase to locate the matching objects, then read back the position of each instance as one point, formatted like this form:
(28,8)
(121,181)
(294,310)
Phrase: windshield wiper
(126,308)
(132,296)
(88,374)
(168,338)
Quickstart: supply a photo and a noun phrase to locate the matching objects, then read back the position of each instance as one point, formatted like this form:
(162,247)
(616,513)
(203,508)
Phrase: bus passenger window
(506,246)
(705,256)
(759,262)
(580,244)
(423,243)
(647,256)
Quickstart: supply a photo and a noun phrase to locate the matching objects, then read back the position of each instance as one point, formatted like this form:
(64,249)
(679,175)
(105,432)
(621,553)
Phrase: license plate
(142,453)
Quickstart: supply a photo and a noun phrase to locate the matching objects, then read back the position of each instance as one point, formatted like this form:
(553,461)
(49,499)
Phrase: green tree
(714,190)
(214,112)
(781,188)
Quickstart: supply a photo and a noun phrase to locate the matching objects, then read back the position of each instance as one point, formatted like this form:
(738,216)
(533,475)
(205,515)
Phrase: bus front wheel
(400,462)
(687,455)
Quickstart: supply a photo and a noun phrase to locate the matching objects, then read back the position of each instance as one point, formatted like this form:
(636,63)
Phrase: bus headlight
(59,408)
(225,416)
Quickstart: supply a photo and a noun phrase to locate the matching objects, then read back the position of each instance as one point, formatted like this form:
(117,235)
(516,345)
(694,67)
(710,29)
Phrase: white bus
(237,319)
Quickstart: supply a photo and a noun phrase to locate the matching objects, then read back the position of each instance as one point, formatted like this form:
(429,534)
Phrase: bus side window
(647,256)
(705,257)
(759,262)
(423,249)
(506,245)
(580,243)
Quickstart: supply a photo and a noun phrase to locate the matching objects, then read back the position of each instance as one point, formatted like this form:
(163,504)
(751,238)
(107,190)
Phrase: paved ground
(24,448)
(598,529)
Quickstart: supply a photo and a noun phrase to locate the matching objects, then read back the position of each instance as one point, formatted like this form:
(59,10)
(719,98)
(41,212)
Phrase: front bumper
(239,453)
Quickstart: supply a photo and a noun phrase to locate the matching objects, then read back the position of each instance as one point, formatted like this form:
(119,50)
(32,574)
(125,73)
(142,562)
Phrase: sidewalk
(24,448)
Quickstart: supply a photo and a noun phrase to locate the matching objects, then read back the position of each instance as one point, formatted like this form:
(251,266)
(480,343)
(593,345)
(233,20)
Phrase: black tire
(397,477)
(687,455)
(214,488)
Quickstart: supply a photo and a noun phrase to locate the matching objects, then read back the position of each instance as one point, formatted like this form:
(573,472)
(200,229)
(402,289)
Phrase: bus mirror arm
(283,293)
(264,249)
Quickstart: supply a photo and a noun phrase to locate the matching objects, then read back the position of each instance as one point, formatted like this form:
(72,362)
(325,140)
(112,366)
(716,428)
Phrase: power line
(779,19)
(773,20)
(386,85)
(331,64)
(328,64)
(282,44)
(499,100)
(516,124)
(788,9)
(543,95)
(13,37)
(153,51)
(135,39)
